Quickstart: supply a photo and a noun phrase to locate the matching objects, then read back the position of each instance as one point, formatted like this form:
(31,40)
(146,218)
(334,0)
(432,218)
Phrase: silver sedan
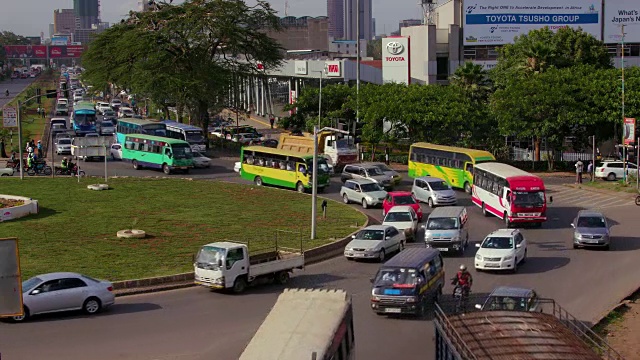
(64,291)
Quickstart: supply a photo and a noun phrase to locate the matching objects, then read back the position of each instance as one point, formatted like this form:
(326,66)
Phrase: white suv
(362,191)
(503,249)
(612,170)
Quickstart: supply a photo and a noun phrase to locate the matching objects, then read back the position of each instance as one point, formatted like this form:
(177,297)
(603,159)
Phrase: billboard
(26,51)
(497,22)
(10,278)
(629,130)
(333,68)
(71,51)
(60,40)
(621,12)
(395,60)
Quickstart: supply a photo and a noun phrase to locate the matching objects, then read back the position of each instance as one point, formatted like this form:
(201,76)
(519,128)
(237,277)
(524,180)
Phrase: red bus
(509,193)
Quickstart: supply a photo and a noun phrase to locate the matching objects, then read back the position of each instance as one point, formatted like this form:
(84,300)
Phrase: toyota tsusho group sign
(395,60)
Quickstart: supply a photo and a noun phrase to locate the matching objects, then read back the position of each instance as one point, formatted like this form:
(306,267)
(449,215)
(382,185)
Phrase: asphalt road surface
(198,324)
(15,87)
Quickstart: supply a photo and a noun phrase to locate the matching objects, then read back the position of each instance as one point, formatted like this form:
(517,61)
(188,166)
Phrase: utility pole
(624,146)
(20,142)
(358,65)
(314,184)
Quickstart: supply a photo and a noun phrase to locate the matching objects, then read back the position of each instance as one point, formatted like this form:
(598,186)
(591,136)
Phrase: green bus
(265,165)
(452,164)
(157,153)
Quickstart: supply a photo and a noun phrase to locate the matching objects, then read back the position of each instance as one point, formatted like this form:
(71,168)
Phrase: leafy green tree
(374,49)
(187,54)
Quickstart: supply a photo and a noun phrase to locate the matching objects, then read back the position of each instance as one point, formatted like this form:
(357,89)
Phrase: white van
(62,101)
(433,191)
(446,229)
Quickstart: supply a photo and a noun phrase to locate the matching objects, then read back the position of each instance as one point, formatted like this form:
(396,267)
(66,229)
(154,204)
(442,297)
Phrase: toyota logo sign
(395,48)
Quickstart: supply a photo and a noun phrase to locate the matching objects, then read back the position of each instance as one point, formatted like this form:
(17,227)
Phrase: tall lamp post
(624,145)
(314,172)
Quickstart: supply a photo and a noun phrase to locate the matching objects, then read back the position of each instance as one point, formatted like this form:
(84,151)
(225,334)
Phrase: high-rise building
(350,19)
(335,13)
(87,13)
(52,30)
(303,33)
(64,21)
(409,22)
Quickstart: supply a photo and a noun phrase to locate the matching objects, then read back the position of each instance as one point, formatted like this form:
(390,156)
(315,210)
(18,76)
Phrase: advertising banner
(10,278)
(301,67)
(9,118)
(59,40)
(395,60)
(621,12)
(629,130)
(72,51)
(497,22)
(333,68)
(26,51)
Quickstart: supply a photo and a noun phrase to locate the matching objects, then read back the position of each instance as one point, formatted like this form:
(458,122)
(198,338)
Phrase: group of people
(580,170)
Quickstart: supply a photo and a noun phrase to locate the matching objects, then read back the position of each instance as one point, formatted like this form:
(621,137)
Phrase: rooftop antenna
(428,10)
(286,8)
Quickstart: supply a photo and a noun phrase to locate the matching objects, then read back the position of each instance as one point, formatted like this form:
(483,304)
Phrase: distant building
(64,21)
(335,13)
(303,33)
(347,48)
(52,30)
(350,20)
(87,13)
(143,5)
(409,22)
(84,36)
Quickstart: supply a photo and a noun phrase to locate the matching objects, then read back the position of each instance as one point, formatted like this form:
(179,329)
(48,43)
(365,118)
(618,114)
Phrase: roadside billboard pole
(624,143)
(20,142)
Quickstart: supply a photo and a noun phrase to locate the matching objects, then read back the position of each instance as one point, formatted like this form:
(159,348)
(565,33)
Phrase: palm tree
(472,78)
(538,57)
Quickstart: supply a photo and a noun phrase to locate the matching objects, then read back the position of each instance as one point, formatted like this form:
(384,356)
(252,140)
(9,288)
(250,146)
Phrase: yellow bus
(268,166)
(452,164)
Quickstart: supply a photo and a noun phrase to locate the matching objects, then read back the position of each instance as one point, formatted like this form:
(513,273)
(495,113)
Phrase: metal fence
(520,154)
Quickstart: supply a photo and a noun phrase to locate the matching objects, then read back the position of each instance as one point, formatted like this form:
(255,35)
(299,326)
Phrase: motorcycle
(14,164)
(461,296)
(39,168)
(70,171)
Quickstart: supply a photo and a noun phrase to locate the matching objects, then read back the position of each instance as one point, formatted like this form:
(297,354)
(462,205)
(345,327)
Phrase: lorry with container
(229,265)
(516,331)
(340,151)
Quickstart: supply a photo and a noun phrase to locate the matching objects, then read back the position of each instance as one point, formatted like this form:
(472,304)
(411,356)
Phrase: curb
(621,194)
(601,318)
(184,280)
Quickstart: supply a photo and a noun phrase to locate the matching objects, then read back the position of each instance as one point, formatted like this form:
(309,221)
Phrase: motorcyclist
(13,158)
(64,165)
(463,279)
(30,163)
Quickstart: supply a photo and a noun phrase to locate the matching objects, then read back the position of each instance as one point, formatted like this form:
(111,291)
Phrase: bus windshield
(155,130)
(194,136)
(323,168)
(181,151)
(528,198)
(84,119)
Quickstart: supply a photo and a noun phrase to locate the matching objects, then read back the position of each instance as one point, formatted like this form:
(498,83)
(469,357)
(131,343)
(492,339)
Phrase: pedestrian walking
(579,169)
(44,113)
(272,120)
(590,170)
(39,149)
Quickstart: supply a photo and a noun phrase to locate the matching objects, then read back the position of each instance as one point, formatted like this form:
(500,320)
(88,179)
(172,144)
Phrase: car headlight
(219,281)
(348,249)
(577,236)
(456,238)
(508,257)
(369,198)
(411,299)
(478,257)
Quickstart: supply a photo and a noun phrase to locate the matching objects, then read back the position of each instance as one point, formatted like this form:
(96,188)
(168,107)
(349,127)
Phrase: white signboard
(497,22)
(621,12)
(9,117)
(395,60)
(10,278)
(334,68)
(301,67)
(486,64)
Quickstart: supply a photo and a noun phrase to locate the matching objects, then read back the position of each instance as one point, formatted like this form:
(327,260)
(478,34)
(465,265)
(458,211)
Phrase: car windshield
(109,113)
(442,224)
(439,185)
(106,124)
(370,235)
(370,187)
(397,216)
(528,198)
(374,171)
(497,243)
(30,284)
(404,200)
(344,144)
(209,256)
(383,167)
(194,136)
(64,142)
(182,151)
(591,222)
(506,303)
(396,278)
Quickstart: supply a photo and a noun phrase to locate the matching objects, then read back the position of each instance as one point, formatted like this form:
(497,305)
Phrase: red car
(401,198)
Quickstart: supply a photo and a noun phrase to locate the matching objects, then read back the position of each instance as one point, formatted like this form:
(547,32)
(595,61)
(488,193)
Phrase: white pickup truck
(228,265)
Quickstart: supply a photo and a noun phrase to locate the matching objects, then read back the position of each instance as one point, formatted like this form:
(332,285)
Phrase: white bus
(185,132)
(509,193)
(305,324)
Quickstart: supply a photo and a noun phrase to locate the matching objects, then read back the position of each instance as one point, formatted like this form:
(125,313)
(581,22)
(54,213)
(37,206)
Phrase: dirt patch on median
(621,328)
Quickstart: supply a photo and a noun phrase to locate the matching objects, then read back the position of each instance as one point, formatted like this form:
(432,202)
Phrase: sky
(30,17)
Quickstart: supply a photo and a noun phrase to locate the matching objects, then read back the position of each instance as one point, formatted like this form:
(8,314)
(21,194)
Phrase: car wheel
(282,277)
(23,317)
(364,204)
(467,188)
(257,181)
(507,223)
(607,247)
(300,187)
(345,199)
(575,246)
(91,305)
(382,255)
(611,177)
(135,165)
(524,258)
(515,266)
(239,285)
(430,203)
(401,246)
(166,169)
(113,157)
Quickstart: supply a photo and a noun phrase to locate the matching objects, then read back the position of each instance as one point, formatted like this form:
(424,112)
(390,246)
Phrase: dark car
(511,299)
(272,143)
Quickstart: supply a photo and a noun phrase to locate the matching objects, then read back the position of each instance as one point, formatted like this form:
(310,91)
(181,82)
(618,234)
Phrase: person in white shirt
(579,169)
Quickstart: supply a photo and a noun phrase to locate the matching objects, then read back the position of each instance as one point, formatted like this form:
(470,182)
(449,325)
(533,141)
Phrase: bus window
(470,167)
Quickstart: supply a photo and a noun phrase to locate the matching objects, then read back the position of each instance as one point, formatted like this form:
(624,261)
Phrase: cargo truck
(487,333)
(339,151)
(228,265)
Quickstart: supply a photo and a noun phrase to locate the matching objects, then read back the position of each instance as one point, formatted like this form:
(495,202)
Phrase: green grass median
(76,227)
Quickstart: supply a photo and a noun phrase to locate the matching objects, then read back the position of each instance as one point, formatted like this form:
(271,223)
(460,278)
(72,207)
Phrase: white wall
(30,207)
(423,53)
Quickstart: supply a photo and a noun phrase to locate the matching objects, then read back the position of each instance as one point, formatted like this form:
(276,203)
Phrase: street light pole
(624,146)
(314,188)
(320,100)
(20,142)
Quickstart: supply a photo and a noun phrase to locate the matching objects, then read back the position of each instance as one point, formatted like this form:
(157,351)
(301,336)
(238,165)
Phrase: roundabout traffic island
(15,207)
(131,234)
(98,187)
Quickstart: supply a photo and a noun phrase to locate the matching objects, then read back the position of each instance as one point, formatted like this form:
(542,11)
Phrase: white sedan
(116,152)
(403,218)
(201,161)
(6,171)
(237,167)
